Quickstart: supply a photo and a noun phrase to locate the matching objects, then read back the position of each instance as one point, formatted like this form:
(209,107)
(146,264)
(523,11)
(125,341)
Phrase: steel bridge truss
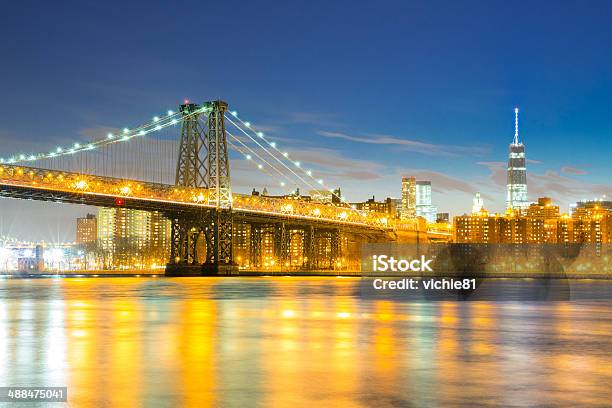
(204,163)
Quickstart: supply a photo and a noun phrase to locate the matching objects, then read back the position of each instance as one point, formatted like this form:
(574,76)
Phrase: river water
(198,342)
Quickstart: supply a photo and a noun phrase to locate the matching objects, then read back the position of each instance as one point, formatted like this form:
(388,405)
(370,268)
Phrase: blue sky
(364,91)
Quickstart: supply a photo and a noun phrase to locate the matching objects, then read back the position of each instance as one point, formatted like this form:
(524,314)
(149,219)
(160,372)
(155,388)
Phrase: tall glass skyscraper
(424,208)
(517,172)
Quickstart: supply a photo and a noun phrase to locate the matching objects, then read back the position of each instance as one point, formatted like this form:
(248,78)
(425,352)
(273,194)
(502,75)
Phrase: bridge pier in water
(210,232)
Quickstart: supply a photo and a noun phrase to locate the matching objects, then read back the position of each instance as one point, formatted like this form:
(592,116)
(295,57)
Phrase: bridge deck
(24,182)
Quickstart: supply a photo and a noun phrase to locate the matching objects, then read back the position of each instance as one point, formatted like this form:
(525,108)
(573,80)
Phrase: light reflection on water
(196,342)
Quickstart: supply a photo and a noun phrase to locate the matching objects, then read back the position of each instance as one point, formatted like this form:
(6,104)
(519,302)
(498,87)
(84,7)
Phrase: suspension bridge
(187,179)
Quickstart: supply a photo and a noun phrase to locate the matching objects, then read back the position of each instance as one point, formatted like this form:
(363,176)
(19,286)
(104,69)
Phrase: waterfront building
(472,228)
(86,229)
(517,172)
(160,236)
(549,214)
(498,229)
(544,209)
(600,204)
(564,231)
(408,208)
(592,222)
(241,242)
(132,238)
(539,223)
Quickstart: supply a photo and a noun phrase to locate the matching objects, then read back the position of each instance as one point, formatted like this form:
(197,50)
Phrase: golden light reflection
(126,342)
(196,352)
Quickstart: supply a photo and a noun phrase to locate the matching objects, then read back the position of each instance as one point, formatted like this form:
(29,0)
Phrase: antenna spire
(516,126)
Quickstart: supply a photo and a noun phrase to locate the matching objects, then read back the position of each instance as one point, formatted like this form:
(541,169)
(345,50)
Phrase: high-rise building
(517,172)
(86,229)
(160,235)
(408,209)
(131,237)
(424,208)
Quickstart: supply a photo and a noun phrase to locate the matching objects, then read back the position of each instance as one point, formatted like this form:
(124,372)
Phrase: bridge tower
(191,169)
(203,162)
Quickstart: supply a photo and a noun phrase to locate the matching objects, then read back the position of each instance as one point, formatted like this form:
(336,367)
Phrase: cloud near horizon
(407,144)
(573,170)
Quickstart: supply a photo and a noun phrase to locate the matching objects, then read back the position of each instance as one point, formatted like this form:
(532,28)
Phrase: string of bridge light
(273,156)
(259,165)
(272,144)
(156,124)
(249,157)
(284,154)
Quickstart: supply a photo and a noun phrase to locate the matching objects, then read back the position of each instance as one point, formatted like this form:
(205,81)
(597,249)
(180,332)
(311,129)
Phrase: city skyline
(428,203)
(448,123)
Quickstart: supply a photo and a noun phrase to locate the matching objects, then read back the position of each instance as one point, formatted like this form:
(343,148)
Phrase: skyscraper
(408,209)
(517,172)
(424,208)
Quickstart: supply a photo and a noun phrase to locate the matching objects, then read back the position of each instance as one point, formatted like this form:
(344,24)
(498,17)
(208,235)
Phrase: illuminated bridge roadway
(65,187)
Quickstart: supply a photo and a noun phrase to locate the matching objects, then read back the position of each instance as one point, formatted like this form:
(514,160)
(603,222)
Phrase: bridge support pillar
(282,242)
(335,249)
(256,241)
(219,248)
(183,247)
(309,248)
(216,227)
